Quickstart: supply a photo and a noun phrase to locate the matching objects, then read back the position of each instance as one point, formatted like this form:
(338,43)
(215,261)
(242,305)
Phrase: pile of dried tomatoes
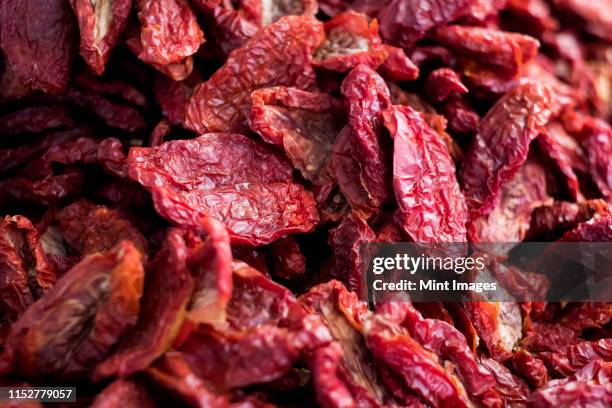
(185,186)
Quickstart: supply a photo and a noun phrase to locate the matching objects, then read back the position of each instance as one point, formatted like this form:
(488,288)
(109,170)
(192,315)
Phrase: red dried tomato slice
(71,329)
(285,46)
(229,177)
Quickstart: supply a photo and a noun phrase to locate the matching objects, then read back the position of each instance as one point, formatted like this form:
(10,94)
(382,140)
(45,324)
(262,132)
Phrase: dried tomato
(509,219)
(499,326)
(513,390)
(169,33)
(548,222)
(263,12)
(167,290)
(286,45)
(35,119)
(597,229)
(173,96)
(100,24)
(403,23)
(432,207)
(461,116)
(358,153)
(302,122)
(502,143)
(288,261)
(442,83)
(414,366)
(343,371)
(90,228)
(398,67)
(598,146)
(346,241)
(508,51)
(351,40)
(174,373)
(124,393)
(26,271)
(71,329)
(530,368)
(210,265)
(229,177)
(446,341)
(38,43)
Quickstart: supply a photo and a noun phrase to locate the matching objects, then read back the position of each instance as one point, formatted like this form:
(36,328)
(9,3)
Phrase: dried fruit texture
(263,12)
(159,133)
(482,10)
(403,23)
(51,190)
(591,386)
(442,83)
(112,158)
(177,70)
(596,15)
(174,373)
(37,41)
(461,116)
(586,315)
(231,28)
(561,163)
(35,119)
(502,143)
(113,114)
(26,270)
(71,329)
(499,326)
(598,146)
(509,220)
(398,67)
(90,228)
(169,31)
(343,371)
(167,291)
(302,123)
(229,177)
(358,153)
(123,90)
(549,222)
(413,366)
(513,390)
(507,51)
(279,54)
(530,368)
(597,229)
(210,265)
(173,96)
(100,25)
(447,342)
(431,205)
(124,393)
(266,327)
(350,40)
(346,241)
(288,261)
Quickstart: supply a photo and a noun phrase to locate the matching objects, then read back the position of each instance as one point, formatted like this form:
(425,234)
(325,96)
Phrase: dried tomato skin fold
(433,209)
(224,176)
(502,143)
(53,337)
(286,45)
